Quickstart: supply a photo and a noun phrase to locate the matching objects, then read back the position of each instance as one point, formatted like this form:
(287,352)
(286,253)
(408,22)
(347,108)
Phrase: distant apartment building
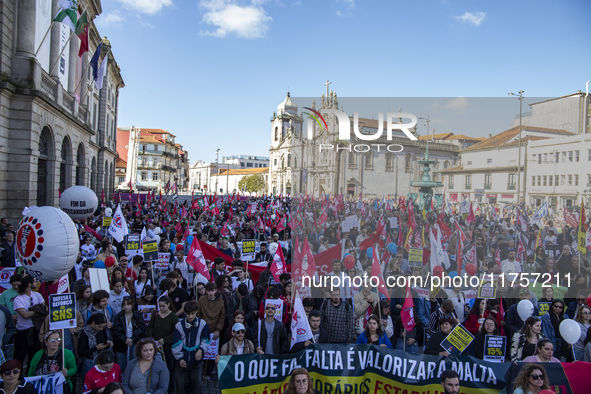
(150,158)
(246,161)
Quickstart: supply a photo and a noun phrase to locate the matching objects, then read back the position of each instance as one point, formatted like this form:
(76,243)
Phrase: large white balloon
(108,212)
(47,243)
(79,202)
(525,309)
(570,331)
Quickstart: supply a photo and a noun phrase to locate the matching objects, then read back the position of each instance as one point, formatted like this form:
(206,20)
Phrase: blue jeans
(87,365)
(123,358)
(412,349)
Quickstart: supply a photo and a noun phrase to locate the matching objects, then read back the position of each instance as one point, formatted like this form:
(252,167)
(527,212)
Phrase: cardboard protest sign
(495,347)
(458,340)
(213,348)
(248,250)
(163,261)
(150,249)
(62,311)
(488,289)
(132,246)
(278,308)
(146,312)
(415,258)
(99,279)
(107,221)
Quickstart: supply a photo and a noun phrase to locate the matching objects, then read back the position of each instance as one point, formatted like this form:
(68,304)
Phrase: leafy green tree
(252,183)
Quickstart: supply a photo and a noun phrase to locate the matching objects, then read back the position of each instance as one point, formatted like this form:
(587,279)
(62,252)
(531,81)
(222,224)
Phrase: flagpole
(62,51)
(88,90)
(44,37)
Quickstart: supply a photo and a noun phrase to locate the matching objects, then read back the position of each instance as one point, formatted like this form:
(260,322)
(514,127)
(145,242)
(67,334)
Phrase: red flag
(376,271)
(278,264)
(178,226)
(186,233)
(375,238)
(462,236)
(407,313)
(94,233)
(446,232)
(196,259)
(281,225)
(570,219)
(225,232)
(184,213)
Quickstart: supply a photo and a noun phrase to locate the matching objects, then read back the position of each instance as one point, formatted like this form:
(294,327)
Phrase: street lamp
(217,171)
(519,160)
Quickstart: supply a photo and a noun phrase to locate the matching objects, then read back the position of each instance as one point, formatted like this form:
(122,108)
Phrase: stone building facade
(374,168)
(56,129)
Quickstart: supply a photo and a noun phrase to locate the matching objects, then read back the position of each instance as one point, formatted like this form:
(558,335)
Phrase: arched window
(276,133)
(289,160)
(80,166)
(65,165)
(446,164)
(44,168)
(389,162)
(105,185)
(93,177)
(408,162)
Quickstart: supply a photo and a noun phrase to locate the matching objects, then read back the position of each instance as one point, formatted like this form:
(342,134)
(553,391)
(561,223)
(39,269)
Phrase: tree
(252,183)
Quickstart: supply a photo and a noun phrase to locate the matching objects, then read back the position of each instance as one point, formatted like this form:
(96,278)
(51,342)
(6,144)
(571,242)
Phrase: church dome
(287,107)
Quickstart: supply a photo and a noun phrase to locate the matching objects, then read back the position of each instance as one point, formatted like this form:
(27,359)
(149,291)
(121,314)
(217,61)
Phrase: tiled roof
(503,138)
(244,171)
(156,131)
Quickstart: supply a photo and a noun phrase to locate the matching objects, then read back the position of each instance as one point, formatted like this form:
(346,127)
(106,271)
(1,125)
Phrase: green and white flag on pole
(67,13)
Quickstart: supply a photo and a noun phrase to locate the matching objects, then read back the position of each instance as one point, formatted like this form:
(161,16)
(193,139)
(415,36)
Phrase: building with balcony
(201,175)
(246,161)
(227,180)
(488,171)
(559,171)
(56,128)
(153,159)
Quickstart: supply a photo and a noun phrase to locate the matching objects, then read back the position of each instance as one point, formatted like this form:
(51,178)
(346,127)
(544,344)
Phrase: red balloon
(471,269)
(438,271)
(349,261)
(109,261)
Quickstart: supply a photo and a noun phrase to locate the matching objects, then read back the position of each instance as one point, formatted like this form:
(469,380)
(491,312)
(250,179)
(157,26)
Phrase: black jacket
(248,306)
(22,388)
(8,254)
(433,346)
(280,339)
(120,330)
(322,338)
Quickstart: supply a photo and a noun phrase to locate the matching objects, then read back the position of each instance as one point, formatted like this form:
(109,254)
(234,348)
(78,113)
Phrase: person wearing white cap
(237,345)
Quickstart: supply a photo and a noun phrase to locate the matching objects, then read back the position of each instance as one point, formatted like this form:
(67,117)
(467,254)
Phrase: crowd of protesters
(152,330)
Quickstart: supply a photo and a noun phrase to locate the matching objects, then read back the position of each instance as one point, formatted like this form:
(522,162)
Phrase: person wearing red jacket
(480,311)
(104,372)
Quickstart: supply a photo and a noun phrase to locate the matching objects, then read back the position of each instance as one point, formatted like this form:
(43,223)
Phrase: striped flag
(67,13)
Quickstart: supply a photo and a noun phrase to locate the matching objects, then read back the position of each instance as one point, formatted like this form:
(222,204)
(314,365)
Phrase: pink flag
(196,259)
(407,313)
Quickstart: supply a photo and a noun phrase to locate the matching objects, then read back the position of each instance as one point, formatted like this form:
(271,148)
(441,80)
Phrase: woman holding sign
(488,328)
(51,360)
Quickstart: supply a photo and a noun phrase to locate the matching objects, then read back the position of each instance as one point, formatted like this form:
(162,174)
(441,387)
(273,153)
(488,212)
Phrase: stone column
(74,48)
(23,68)
(54,49)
